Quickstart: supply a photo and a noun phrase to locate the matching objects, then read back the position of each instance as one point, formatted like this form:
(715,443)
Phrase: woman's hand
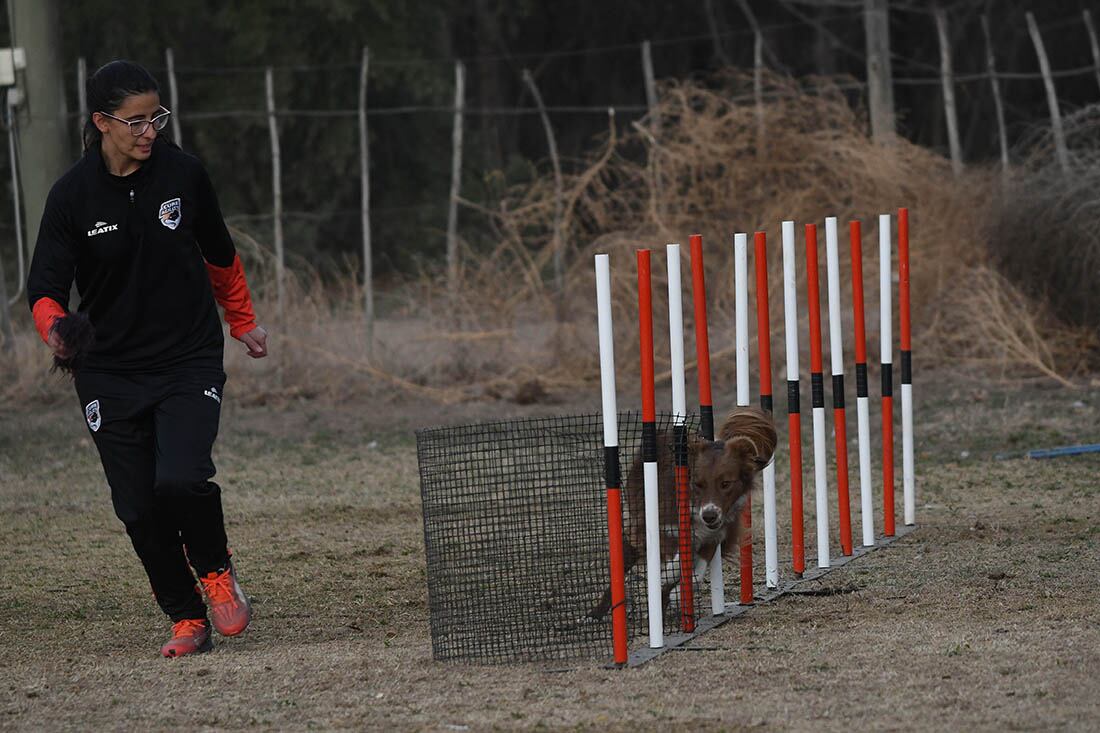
(256,341)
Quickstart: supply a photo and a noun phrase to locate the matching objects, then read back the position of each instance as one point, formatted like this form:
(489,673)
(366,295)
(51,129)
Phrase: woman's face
(117,135)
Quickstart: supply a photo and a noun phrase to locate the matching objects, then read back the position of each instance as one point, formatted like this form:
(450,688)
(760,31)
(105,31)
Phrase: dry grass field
(985,618)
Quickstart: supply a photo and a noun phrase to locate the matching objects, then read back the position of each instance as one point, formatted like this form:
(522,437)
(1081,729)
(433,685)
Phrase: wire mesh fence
(515,529)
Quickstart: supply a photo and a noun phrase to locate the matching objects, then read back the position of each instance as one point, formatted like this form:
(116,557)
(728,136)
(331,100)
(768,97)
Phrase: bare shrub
(1044,235)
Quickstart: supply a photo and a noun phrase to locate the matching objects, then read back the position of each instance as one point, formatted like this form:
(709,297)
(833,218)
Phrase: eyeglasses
(138,127)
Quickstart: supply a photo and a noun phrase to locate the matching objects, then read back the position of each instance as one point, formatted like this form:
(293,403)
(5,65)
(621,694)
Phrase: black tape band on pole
(611,466)
(838,391)
(861,379)
(792,397)
(706,421)
(649,442)
(887,380)
(679,433)
(817,390)
(766,403)
(907,367)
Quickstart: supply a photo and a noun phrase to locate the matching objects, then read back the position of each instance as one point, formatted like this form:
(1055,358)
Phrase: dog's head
(725,470)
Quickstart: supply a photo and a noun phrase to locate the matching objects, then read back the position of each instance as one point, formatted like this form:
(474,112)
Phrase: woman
(137,224)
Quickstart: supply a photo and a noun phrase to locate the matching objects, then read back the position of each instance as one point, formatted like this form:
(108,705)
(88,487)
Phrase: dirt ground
(985,618)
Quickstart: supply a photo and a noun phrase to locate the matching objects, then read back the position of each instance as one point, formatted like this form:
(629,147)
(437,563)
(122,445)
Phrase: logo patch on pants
(91,414)
(170,213)
(212,393)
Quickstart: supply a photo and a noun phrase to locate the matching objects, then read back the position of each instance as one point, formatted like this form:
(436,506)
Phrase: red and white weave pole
(649,455)
(679,430)
(886,346)
(611,459)
(702,343)
(764,348)
(817,397)
(741,337)
(706,406)
(794,417)
(836,355)
(863,410)
(908,478)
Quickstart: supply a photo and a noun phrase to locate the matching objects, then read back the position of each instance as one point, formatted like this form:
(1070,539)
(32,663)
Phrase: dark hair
(107,90)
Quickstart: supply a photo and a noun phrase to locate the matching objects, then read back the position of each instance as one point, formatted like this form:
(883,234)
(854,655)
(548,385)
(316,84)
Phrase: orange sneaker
(229,607)
(190,636)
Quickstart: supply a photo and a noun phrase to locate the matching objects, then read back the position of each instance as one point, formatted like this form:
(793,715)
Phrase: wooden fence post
(81,99)
(948,81)
(173,97)
(1052,96)
(277,195)
(716,39)
(876,23)
(364,204)
(556,243)
(7,333)
(21,252)
(650,86)
(456,181)
(991,67)
(1092,42)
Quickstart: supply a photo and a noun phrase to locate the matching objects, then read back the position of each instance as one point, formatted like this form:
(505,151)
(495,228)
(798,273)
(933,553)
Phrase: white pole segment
(771,534)
(676,334)
(607,352)
(790,301)
(907,453)
(867,510)
(653,558)
(821,489)
(741,298)
(832,263)
(717,584)
(885,274)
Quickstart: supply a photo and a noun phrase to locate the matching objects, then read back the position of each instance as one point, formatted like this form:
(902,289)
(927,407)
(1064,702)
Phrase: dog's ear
(752,432)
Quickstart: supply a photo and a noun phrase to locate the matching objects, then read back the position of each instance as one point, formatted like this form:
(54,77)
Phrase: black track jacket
(136,246)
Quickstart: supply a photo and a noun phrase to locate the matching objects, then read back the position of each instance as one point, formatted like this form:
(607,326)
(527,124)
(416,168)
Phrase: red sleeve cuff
(45,312)
(231,292)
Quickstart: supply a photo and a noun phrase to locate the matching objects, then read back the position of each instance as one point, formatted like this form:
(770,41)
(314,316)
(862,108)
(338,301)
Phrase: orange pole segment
(763,328)
(841,433)
(888,466)
(815,298)
(857,290)
(618,581)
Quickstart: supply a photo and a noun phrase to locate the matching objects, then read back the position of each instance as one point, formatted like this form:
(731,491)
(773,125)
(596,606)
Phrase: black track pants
(154,433)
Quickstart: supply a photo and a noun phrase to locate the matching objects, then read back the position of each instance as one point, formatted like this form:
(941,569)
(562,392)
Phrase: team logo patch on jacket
(91,414)
(170,213)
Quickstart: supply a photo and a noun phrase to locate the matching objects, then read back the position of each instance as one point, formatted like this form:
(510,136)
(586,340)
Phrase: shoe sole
(237,632)
(206,646)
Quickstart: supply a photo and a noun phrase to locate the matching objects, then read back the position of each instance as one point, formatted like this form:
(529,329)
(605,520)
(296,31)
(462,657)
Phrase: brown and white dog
(723,473)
